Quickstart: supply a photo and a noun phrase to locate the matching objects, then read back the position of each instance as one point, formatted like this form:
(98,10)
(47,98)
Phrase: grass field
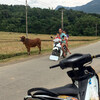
(10,45)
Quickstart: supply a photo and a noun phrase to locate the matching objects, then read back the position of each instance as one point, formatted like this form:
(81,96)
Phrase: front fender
(55,48)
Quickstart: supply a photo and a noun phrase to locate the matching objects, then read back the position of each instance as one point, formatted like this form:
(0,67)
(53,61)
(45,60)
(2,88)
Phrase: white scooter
(85,81)
(57,50)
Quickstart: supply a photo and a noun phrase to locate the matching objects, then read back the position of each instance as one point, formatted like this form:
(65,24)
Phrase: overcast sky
(47,3)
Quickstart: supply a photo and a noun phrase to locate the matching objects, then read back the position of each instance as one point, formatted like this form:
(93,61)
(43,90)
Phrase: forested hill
(46,21)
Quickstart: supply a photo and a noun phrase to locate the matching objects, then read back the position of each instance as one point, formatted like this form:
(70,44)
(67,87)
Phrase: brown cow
(31,43)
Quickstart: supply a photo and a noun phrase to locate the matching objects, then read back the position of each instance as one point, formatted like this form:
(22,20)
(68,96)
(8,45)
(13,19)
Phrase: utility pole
(26,21)
(62,15)
(96,29)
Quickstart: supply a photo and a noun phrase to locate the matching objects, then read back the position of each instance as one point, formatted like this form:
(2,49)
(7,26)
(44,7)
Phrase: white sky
(47,3)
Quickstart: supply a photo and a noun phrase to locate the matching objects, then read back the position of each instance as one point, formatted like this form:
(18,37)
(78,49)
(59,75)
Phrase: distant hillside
(91,7)
(46,21)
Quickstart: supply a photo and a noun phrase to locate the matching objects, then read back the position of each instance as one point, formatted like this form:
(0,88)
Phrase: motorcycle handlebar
(95,56)
(55,66)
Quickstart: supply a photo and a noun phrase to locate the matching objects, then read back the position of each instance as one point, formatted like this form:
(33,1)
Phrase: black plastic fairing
(75,60)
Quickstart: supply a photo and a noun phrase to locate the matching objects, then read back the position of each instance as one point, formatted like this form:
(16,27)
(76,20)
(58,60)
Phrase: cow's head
(22,38)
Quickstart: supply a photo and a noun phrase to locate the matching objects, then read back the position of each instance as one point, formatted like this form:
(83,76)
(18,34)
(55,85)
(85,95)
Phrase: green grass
(7,56)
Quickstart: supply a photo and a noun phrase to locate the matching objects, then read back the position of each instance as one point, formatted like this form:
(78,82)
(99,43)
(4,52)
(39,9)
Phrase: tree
(46,21)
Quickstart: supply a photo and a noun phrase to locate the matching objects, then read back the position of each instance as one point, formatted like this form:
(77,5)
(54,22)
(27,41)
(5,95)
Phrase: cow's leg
(28,50)
(39,46)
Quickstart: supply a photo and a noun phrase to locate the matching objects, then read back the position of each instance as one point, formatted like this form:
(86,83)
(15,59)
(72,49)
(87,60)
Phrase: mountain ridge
(91,7)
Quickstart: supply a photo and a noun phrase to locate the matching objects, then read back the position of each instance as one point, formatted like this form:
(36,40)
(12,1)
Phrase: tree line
(47,21)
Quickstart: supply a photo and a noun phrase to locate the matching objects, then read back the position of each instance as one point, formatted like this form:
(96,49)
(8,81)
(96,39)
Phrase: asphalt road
(17,78)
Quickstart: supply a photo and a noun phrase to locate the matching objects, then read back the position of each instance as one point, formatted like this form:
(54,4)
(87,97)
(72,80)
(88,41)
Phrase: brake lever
(54,66)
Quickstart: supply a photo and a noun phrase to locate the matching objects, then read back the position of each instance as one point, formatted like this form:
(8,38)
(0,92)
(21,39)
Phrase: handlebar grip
(54,66)
(96,56)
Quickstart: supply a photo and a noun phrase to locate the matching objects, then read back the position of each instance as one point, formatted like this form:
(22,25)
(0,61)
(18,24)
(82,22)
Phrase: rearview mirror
(51,37)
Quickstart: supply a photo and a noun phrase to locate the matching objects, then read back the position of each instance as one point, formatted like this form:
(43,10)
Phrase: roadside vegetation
(11,46)
(79,25)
